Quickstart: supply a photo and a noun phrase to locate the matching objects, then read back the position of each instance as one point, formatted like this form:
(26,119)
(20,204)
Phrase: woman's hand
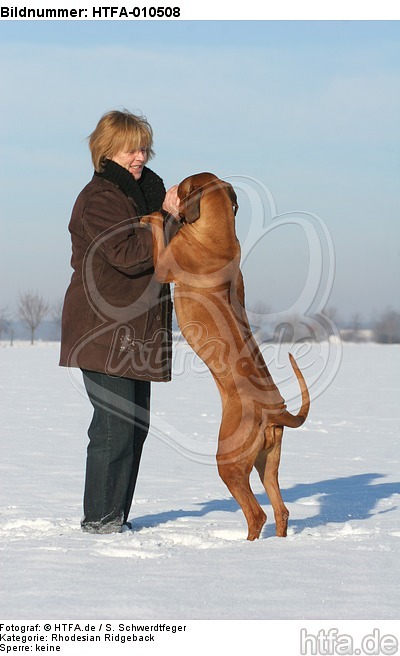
(171,202)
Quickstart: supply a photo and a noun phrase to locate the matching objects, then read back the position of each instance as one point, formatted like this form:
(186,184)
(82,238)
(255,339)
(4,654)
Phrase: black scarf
(147,193)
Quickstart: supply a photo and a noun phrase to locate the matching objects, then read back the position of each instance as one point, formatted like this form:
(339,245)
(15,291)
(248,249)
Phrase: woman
(116,322)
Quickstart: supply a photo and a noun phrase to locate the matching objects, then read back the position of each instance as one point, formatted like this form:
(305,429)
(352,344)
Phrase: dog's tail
(286,418)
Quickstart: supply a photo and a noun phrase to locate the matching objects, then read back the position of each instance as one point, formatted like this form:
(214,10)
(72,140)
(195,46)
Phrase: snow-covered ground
(187,557)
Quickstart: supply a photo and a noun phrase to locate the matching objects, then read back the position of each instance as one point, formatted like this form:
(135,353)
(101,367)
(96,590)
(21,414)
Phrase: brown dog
(203,262)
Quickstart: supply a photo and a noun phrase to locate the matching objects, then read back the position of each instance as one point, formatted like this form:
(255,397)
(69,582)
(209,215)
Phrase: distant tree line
(385,329)
(32,310)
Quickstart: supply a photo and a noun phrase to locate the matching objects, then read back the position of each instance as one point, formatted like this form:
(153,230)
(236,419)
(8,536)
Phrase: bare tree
(11,331)
(356,321)
(332,313)
(56,312)
(56,316)
(353,332)
(292,329)
(4,321)
(32,309)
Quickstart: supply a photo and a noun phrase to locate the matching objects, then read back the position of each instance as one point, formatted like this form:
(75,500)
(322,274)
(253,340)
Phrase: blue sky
(307,109)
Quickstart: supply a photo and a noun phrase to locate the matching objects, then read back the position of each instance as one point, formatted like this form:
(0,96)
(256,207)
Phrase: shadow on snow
(339,500)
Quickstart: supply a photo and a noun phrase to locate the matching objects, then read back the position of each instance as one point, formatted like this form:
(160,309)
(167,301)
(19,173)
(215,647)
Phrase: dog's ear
(232,196)
(192,204)
(189,206)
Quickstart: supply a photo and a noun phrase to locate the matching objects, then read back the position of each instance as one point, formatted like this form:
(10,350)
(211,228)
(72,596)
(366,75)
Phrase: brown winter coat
(116,316)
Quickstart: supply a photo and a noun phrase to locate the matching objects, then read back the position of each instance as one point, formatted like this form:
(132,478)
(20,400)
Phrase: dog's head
(191,190)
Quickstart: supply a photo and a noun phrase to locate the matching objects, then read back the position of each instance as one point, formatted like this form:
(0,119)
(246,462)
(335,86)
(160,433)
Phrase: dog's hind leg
(267,465)
(239,440)
(236,478)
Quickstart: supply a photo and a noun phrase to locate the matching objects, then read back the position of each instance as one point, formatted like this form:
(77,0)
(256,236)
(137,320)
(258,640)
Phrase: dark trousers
(116,436)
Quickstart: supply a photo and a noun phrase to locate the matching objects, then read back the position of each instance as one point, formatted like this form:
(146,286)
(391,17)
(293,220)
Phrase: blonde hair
(119,131)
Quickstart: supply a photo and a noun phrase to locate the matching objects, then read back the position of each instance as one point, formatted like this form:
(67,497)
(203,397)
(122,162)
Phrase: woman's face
(133,161)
